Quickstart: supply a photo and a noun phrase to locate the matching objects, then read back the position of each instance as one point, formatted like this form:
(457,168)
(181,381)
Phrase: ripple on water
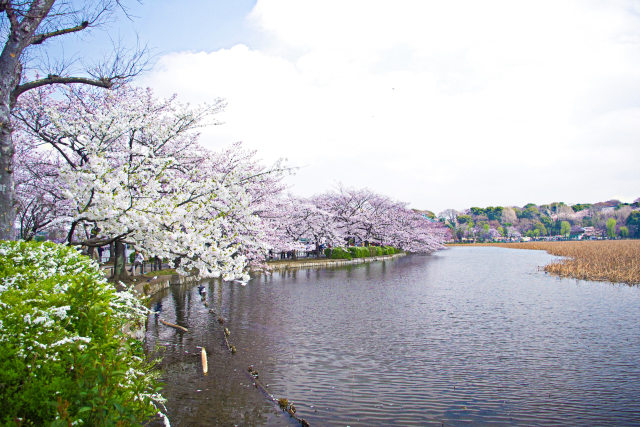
(468,336)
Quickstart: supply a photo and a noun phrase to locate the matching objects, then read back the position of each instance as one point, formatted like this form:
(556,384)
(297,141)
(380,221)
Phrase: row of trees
(120,166)
(115,166)
(352,216)
(611,218)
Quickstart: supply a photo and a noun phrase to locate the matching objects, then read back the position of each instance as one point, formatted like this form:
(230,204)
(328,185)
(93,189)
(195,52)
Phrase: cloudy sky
(442,104)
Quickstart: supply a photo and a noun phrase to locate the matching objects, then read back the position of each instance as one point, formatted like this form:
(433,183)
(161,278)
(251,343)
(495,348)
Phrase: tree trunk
(7,186)
(120,262)
(17,40)
(9,77)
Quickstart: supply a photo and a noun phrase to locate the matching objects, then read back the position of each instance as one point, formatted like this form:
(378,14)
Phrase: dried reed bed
(615,261)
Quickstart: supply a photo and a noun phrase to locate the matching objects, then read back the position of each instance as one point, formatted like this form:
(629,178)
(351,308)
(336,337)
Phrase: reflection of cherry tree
(133,172)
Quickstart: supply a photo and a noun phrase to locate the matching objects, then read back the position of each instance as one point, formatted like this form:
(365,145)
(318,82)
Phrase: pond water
(467,335)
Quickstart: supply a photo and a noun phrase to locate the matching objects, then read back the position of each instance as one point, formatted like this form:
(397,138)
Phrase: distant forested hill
(612,219)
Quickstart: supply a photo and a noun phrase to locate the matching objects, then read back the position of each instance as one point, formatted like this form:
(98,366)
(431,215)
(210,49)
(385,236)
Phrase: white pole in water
(205,366)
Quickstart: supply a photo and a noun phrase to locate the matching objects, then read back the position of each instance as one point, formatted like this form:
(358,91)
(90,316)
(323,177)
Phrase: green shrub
(358,251)
(389,250)
(340,253)
(64,358)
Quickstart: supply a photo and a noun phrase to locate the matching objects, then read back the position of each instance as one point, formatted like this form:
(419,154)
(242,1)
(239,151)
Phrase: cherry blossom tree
(449,215)
(369,217)
(285,224)
(134,172)
(358,216)
(355,212)
(264,186)
(323,228)
(40,204)
(25,65)
(296,218)
(412,231)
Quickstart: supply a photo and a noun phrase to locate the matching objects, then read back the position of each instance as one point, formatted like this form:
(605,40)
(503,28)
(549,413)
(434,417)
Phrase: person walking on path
(137,262)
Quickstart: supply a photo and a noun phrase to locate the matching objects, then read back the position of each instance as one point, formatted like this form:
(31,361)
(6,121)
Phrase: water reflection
(468,335)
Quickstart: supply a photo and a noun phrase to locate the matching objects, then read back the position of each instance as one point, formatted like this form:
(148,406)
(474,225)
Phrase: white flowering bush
(64,358)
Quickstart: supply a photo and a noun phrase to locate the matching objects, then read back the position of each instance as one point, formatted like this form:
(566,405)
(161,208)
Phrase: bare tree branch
(122,65)
(39,38)
(53,79)
(11,14)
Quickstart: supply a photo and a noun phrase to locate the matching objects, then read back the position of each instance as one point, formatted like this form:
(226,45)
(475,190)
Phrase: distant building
(590,233)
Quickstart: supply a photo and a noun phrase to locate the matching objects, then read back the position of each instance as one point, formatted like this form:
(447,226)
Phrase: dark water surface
(467,335)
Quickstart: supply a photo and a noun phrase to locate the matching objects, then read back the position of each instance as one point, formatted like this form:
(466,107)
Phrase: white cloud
(442,104)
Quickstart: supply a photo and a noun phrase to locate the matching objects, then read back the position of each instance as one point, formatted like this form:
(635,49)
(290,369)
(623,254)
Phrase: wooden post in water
(182,328)
(205,366)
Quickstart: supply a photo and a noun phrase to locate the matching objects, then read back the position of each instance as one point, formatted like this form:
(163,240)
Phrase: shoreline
(325,262)
(146,286)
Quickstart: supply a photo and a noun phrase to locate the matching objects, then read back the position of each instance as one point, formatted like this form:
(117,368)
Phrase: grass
(615,261)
